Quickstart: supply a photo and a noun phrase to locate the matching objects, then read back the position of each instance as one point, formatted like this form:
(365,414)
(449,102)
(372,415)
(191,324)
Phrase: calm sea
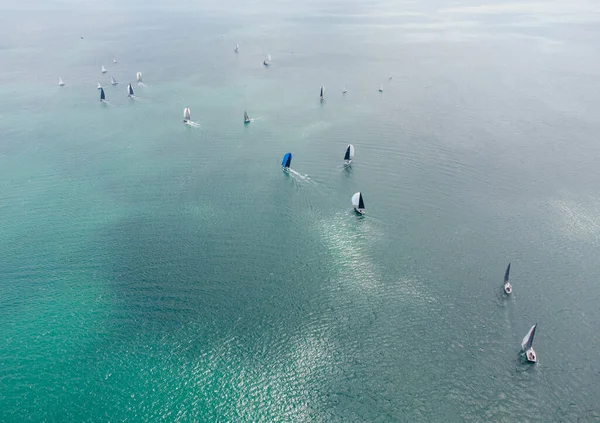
(154,271)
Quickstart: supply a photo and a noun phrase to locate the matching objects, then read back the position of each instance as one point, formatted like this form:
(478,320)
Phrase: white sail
(99,86)
(114,60)
(60,81)
(381,89)
(356,199)
(139,77)
(268,57)
(103,69)
(237,48)
(186,113)
(113,81)
(246,118)
(527,341)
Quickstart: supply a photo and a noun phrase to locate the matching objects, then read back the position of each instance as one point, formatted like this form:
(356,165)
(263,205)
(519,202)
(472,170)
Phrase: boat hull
(531,356)
(507,289)
(360,212)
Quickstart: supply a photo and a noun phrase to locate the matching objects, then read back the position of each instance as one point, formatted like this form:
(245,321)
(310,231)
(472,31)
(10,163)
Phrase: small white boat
(186,115)
(138,76)
(358,203)
(507,286)
(381,89)
(237,48)
(246,117)
(344,91)
(267,60)
(103,69)
(527,345)
(349,155)
(113,81)
(60,82)
(114,60)
(322,94)
(99,86)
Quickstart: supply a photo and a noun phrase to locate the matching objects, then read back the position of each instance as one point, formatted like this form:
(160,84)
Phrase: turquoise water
(155,271)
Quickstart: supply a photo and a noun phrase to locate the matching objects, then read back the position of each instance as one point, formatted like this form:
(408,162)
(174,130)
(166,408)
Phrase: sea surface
(152,271)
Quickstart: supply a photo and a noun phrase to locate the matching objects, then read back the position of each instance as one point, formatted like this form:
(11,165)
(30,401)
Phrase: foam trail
(141,84)
(193,124)
(299,175)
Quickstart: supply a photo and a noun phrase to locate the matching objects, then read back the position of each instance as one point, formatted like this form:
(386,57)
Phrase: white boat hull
(507,288)
(531,356)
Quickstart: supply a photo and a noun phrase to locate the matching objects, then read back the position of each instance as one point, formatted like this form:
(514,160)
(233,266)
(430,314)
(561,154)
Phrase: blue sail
(130,90)
(287,160)
(102,94)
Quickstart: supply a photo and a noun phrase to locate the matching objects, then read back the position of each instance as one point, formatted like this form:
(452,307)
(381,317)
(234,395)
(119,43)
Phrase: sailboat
(527,343)
(60,82)
(287,161)
(113,81)
(99,86)
(349,154)
(344,91)
(102,97)
(139,76)
(381,89)
(186,115)
(358,203)
(114,60)
(237,48)
(130,91)
(322,94)
(246,118)
(267,60)
(507,286)
(103,69)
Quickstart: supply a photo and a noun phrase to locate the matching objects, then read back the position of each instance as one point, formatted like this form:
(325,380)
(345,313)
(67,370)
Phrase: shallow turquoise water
(151,270)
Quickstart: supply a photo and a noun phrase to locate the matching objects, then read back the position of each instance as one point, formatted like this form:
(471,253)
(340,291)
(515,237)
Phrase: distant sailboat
(267,60)
(287,161)
(237,48)
(381,89)
(349,154)
(527,345)
(60,82)
(187,118)
(130,91)
(322,94)
(103,69)
(358,203)
(114,60)
(246,118)
(344,91)
(113,81)
(102,96)
(507,286)
(139,78)
(99,86)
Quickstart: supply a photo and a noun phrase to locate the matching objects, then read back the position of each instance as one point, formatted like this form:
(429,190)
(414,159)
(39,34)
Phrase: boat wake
(106,102)
(298,174)
(192,124)
(141,84)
